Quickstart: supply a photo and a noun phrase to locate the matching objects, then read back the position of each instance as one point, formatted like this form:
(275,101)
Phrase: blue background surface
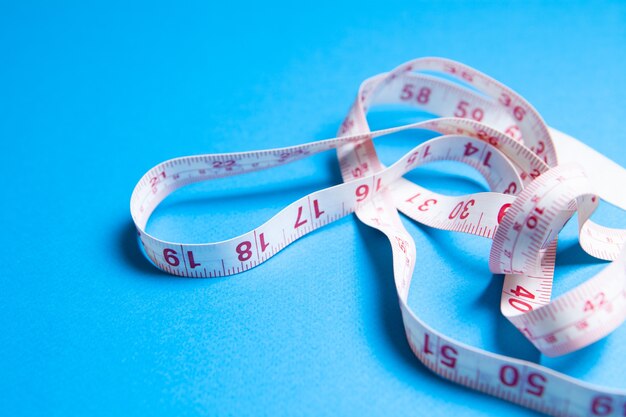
(93,95)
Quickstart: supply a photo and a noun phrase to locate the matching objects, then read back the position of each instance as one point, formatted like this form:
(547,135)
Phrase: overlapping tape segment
(537,184)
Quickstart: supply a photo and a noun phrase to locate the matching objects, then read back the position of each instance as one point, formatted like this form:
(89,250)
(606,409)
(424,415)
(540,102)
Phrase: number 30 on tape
(536,187)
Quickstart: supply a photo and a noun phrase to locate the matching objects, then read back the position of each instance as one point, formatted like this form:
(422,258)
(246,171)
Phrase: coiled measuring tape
(494,130)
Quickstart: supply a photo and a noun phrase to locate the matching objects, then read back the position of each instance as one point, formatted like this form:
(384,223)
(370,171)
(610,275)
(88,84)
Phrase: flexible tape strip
(493,130)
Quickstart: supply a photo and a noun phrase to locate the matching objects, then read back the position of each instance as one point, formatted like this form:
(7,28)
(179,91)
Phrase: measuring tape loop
(491,128)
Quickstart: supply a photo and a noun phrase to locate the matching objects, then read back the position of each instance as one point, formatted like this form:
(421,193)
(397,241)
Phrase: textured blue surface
(91,96)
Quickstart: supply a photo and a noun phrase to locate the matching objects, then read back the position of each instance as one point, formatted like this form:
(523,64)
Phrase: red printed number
(503,210)
(264,244)
(597,302)
(461,210)
(602,405)
(224,164)
(541,146)
(170,256)
(470,150)
(361,192)
(425,205)
(300,221)
(463,74)
(520,305)
(413,157)
(244,250)
(520,291)
(154,180)
(518,111)
(448,354)
(511,189)
(422,96)
(463,110)
(510,376)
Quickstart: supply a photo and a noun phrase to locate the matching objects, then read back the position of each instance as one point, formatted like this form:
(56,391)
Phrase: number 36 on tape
(535,189)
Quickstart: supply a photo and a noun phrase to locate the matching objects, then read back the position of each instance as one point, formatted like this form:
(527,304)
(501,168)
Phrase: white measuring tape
(498,133)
